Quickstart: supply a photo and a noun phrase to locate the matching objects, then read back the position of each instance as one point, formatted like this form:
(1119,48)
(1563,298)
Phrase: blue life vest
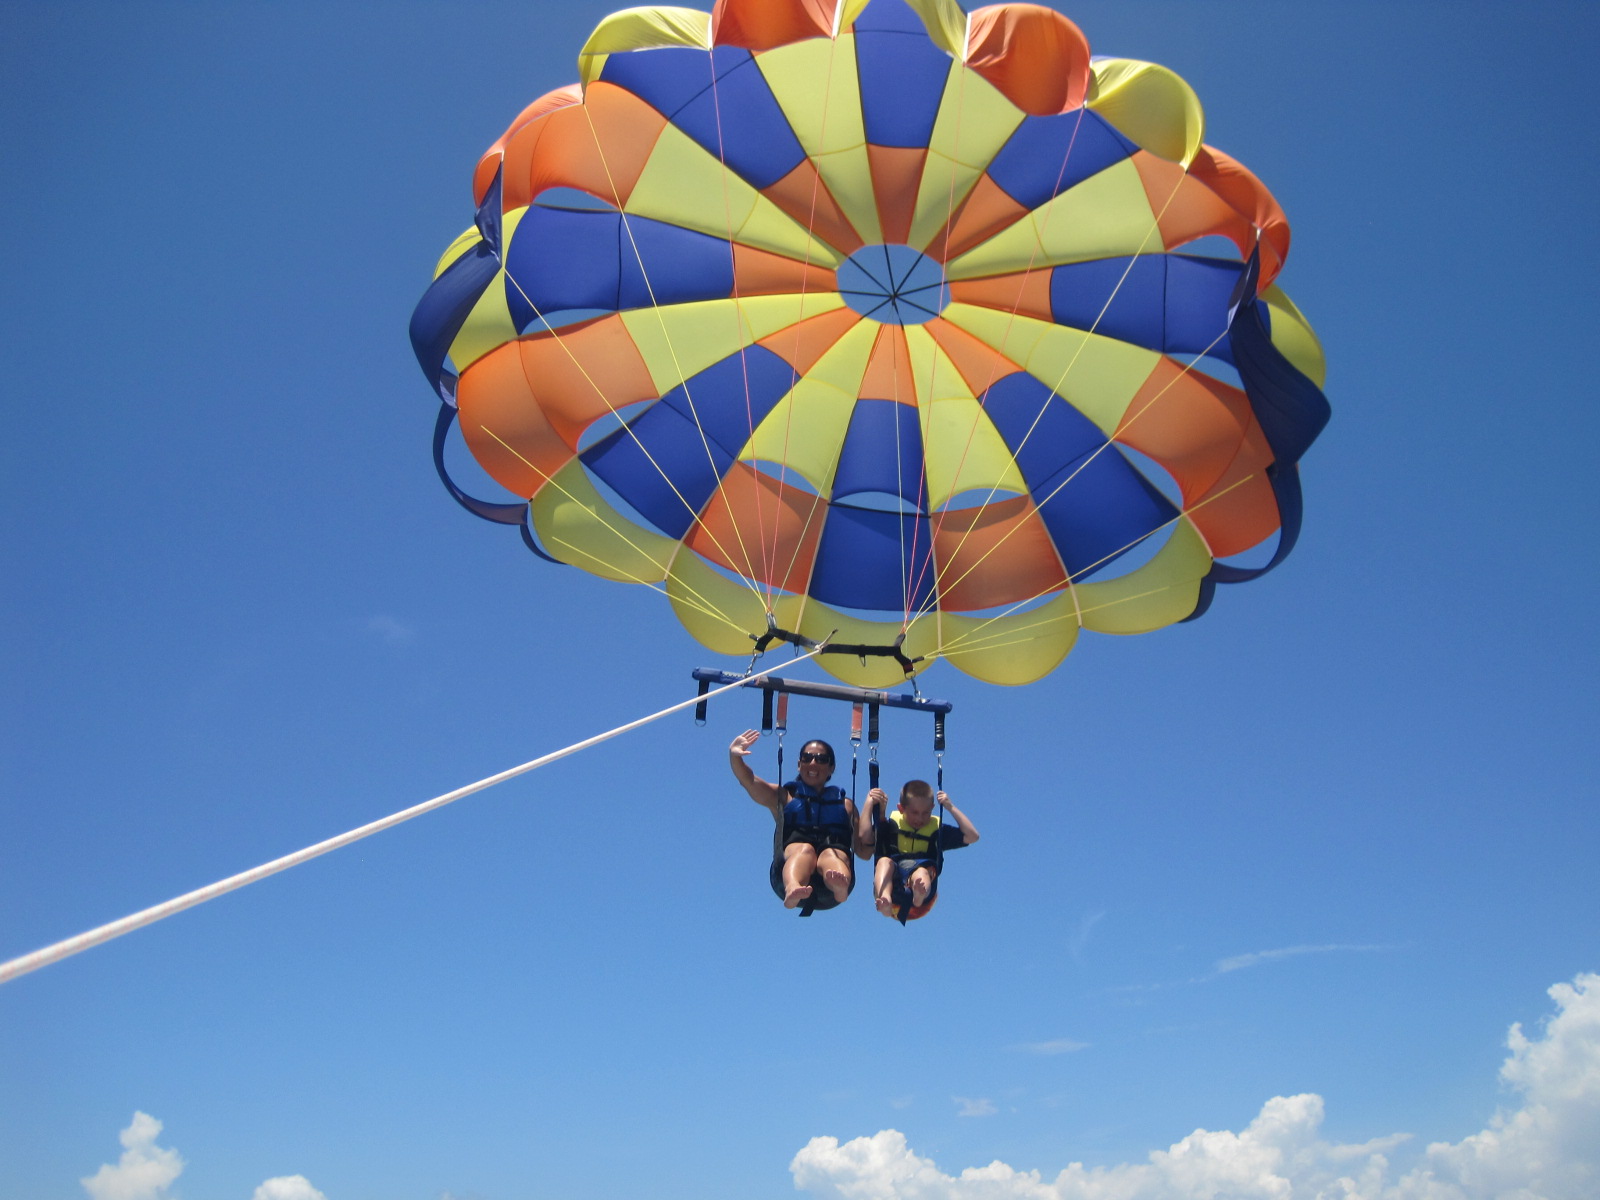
(819,817)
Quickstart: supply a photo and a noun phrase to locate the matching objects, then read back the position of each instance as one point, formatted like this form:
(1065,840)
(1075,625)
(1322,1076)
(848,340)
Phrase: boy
(909,848)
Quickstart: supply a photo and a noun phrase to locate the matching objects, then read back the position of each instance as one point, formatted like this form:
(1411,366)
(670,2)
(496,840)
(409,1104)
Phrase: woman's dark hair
(832,757)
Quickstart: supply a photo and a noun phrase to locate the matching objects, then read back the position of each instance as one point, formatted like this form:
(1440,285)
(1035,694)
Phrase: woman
(816,826)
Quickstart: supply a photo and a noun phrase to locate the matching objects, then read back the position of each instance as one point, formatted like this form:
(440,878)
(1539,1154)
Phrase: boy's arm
(969,831)
(866,836)
(768,795)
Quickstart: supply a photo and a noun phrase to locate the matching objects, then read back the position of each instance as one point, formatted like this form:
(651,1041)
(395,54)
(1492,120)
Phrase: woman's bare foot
(796,895)
(838,883)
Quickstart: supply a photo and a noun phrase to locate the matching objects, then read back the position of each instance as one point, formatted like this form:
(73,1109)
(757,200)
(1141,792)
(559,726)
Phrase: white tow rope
(149,916)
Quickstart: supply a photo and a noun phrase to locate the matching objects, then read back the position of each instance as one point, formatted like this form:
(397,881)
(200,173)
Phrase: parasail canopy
(880,318)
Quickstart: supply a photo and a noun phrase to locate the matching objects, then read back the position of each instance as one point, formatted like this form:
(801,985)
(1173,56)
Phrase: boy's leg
(835,872)
(799,865)
(921,885)
(882,877)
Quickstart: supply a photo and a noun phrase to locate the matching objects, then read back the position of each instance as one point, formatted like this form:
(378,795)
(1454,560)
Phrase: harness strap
(783,726)
(872,745)
(855,743)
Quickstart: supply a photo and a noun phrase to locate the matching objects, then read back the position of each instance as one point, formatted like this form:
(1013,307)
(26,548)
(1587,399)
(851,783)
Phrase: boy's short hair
(917,789)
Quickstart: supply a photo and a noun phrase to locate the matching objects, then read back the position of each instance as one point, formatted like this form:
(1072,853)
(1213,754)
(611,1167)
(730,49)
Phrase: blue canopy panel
(870,559)
(1107,509)
(667,463)
(730,398)
(446,304)
(1289,407)
(902,76)
(668,77)
(1104,506)
(444,308)
(667,264)
(561,259)
(1291,410)
(1042,431)
(882,452)
(1172,303)
(888,16)
(1048,155)
(738,120)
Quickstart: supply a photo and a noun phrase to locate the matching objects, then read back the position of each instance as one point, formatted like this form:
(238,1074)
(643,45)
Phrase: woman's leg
(835,872)
(799,865)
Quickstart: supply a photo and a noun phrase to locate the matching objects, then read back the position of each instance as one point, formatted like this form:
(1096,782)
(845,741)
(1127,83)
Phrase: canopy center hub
(894,284)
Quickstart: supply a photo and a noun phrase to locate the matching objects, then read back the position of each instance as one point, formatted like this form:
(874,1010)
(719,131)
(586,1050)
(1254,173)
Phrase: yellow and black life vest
(915,841)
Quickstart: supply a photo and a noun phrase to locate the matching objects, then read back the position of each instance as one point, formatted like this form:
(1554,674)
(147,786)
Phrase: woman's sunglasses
(824,759)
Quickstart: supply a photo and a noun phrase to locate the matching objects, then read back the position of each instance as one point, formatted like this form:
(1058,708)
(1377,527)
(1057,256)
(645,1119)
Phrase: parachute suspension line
(768,551)
(1005,337)
(744,367)
(1155,227)
(698,602)
(1081,467)
(114,929)
(773,632)
(906,591)
(1124,423)
(974,632)
(934,352)
(817,500)
(599,391)
(990,644)
(971,641)
(677,367)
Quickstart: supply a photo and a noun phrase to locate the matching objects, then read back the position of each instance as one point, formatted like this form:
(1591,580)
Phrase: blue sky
(1333,839)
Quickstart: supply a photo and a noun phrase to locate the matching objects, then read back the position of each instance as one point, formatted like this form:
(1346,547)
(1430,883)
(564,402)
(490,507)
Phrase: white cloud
(1054,1046)
(1080,940)
(979,1106)
(145,1170)
(1547,1148)
(391,630)
(288,1187)
(1240,961)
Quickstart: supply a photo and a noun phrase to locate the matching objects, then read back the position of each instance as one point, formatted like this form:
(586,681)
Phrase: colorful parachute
(868,318)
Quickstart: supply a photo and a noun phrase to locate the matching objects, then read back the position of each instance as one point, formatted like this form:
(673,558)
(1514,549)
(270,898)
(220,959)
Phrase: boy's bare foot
(885,905)
(919,891)
(838,883)
(793,897)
